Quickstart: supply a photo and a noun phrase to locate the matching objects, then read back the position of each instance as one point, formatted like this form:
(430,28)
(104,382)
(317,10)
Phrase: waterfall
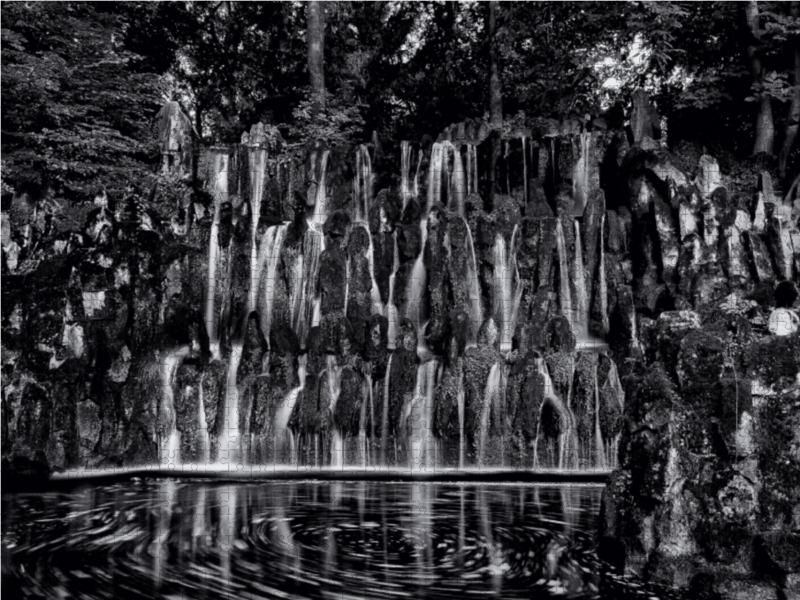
(491,394)
(385,415)
(580,323)
(407,189)
(566,440)
(320,214)
(391,307)
(600,461)
(418,283)
(436,170)
(305,298)
(580,175)
(362,183)
(565,296)
(459,183)
(417,287)
(601,290)
(419,414)
(280,428)
(258,166)
(615,384)
(266,275)
(377,303)
(334,381)
(171,451)
(219,174)
(579,277)
(507,289)
(230,437)
(474,292)
(202,423)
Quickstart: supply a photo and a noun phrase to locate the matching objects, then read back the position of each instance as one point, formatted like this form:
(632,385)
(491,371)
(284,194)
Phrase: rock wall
(583,304)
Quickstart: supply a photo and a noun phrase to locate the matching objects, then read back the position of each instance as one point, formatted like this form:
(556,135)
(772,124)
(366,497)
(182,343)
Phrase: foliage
(76,107)
(338,123)
(82,82)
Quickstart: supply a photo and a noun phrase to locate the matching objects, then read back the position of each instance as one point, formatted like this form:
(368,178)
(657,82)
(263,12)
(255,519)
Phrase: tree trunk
(765,127)
(316,60)
(495,87)
(793,121)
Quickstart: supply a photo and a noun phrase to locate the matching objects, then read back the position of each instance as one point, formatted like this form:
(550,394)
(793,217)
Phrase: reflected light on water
(190,539)
(172,539)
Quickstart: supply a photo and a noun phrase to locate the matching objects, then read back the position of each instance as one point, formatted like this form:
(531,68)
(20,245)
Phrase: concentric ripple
(147,539)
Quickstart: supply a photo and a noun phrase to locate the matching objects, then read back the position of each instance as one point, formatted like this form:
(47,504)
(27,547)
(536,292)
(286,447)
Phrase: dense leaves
(81,83)
(77,109)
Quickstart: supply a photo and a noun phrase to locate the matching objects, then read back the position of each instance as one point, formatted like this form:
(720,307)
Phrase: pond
(163,538)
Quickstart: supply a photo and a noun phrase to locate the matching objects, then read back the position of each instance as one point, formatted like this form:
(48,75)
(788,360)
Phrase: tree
(793,120)
(77,104)
(316,61)
(765,128)
(495,86)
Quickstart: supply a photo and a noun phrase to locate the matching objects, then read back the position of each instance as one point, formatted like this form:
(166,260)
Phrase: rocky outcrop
(587,303)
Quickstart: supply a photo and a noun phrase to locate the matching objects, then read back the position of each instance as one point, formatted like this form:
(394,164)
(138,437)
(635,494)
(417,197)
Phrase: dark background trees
(82,83)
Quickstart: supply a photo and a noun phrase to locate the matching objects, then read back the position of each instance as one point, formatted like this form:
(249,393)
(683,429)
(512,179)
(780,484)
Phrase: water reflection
(173,539)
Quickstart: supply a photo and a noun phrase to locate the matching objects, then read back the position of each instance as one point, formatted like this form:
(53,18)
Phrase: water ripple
(168,539)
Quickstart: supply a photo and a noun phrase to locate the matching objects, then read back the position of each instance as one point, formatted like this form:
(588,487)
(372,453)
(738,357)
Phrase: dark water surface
(179,539)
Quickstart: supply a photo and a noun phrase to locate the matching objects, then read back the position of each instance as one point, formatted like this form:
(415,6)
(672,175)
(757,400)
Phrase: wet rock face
(649,326)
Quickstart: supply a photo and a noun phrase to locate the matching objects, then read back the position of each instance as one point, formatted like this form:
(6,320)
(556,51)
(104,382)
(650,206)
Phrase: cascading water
(491,395)
(565,294)
(459,183)
(407,386)
(258,167)
(391,307)
(230,438)
(308,314)
(385,412)
(585,340)
(306,299)
(219,177)
(333,374)
(579,277)
(267,273)
(601,457)
(566,443)
(377,303)
(171,447)
(507,289)
(282,434)
(580,175)
(418,284)
(408,188)
(362,183)
(474,291)
(419,416)
(202,425)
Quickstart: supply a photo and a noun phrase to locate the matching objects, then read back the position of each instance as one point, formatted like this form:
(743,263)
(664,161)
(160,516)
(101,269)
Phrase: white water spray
(565,295)
(171,451)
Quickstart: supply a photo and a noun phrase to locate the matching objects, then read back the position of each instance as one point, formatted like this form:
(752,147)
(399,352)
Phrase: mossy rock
(774,361)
